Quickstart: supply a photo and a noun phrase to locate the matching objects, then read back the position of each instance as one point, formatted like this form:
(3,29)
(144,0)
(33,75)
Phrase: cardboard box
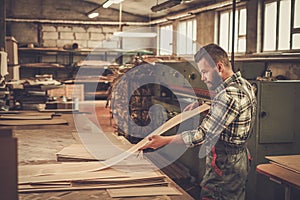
(11,47)
(13,72)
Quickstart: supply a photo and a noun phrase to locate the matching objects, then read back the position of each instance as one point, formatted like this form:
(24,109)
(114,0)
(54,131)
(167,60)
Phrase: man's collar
(227,81)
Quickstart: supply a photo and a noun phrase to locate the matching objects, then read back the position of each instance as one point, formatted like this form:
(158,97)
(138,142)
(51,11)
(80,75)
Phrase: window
(281,25)
(186,37)
(166,40)
(225,30)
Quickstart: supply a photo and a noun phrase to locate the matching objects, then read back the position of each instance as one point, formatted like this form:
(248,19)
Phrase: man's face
(209,74)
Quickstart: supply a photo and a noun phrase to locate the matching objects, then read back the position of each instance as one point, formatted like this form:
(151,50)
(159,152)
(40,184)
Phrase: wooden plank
(56,168)
(74,152)
(25,117)
(291,162)
(27,188)
(79,152)
(160,130)
(280,174)
(59,110)
(22,112)
(70,172)
(146,191)
(32,122)
(71,177)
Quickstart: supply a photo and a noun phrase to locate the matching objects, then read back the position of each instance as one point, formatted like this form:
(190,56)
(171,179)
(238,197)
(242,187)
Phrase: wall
(205,28)
(85,36)
(52,34)
(290,71)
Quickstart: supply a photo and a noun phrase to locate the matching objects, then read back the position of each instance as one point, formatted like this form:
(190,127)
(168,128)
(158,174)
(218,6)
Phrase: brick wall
(86,37)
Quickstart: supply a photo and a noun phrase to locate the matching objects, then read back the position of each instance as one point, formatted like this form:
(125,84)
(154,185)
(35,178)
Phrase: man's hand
(157,141)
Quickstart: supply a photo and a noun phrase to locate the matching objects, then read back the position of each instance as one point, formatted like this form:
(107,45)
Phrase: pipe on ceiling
(165,5)
(153,22)
(46,21)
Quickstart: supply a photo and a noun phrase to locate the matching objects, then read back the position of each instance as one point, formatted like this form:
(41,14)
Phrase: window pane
(270,27)
(242,45)
(241,38)
(296,41)
(181,38)
(194,36)
(186,37)
(224,25)
(189,38)
(297,14)
(284,25)
(166,39)
(243,22)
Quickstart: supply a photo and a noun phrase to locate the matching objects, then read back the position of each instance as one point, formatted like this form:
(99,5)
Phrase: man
(224,130)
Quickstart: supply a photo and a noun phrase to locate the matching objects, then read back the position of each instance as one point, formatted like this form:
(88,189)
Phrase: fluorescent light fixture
(179,16)
(107,4)
(93,15)
(135,34)
(110,2)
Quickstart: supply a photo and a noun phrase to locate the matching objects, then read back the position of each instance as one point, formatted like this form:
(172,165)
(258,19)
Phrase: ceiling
(142,8)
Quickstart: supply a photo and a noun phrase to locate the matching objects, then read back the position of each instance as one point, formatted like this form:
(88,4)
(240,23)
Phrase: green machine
(276,132)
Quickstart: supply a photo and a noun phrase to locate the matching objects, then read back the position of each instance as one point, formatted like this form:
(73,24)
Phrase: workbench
(282,174)
(38,145)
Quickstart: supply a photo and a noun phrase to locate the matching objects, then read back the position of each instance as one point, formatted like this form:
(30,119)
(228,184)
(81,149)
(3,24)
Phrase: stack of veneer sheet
(24,118)
(134,177)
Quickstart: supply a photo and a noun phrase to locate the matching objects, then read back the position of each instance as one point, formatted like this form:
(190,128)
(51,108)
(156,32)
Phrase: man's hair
(213,54)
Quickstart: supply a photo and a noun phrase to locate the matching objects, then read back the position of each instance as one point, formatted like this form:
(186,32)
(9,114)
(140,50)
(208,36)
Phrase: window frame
(237,26)
(194,40)
(159,39)
(292,29)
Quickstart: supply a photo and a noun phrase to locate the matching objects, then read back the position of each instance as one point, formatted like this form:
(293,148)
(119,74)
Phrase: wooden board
(291,162)
(32,122)
(74,152)
(76,176)
(78,152)
(45,173)
(146,191)
(25,117)
(160,130)
(59,110)
(280,174)
(21,113)
(57,168)
(28,188)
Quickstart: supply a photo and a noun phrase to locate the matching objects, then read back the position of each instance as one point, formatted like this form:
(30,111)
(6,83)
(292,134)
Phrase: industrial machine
(276,130)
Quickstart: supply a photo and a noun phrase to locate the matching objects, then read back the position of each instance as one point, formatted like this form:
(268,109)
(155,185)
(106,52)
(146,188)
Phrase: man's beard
(216,81)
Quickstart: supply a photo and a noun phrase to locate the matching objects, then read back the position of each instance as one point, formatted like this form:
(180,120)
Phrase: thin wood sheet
(145,191)
(291,162)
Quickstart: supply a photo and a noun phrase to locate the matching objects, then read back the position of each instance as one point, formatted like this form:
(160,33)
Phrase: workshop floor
(37,145)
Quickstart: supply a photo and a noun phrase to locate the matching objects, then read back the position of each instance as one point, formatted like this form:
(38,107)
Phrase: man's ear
(220,67)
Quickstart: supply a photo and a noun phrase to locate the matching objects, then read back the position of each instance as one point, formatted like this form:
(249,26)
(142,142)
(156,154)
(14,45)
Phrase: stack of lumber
(85,176)
(29,118)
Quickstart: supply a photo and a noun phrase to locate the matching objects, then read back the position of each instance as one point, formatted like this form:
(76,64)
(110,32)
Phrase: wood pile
(24,118)
(129,177)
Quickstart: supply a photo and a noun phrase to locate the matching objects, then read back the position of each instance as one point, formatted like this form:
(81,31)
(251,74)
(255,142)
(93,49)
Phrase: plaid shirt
(230,116)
